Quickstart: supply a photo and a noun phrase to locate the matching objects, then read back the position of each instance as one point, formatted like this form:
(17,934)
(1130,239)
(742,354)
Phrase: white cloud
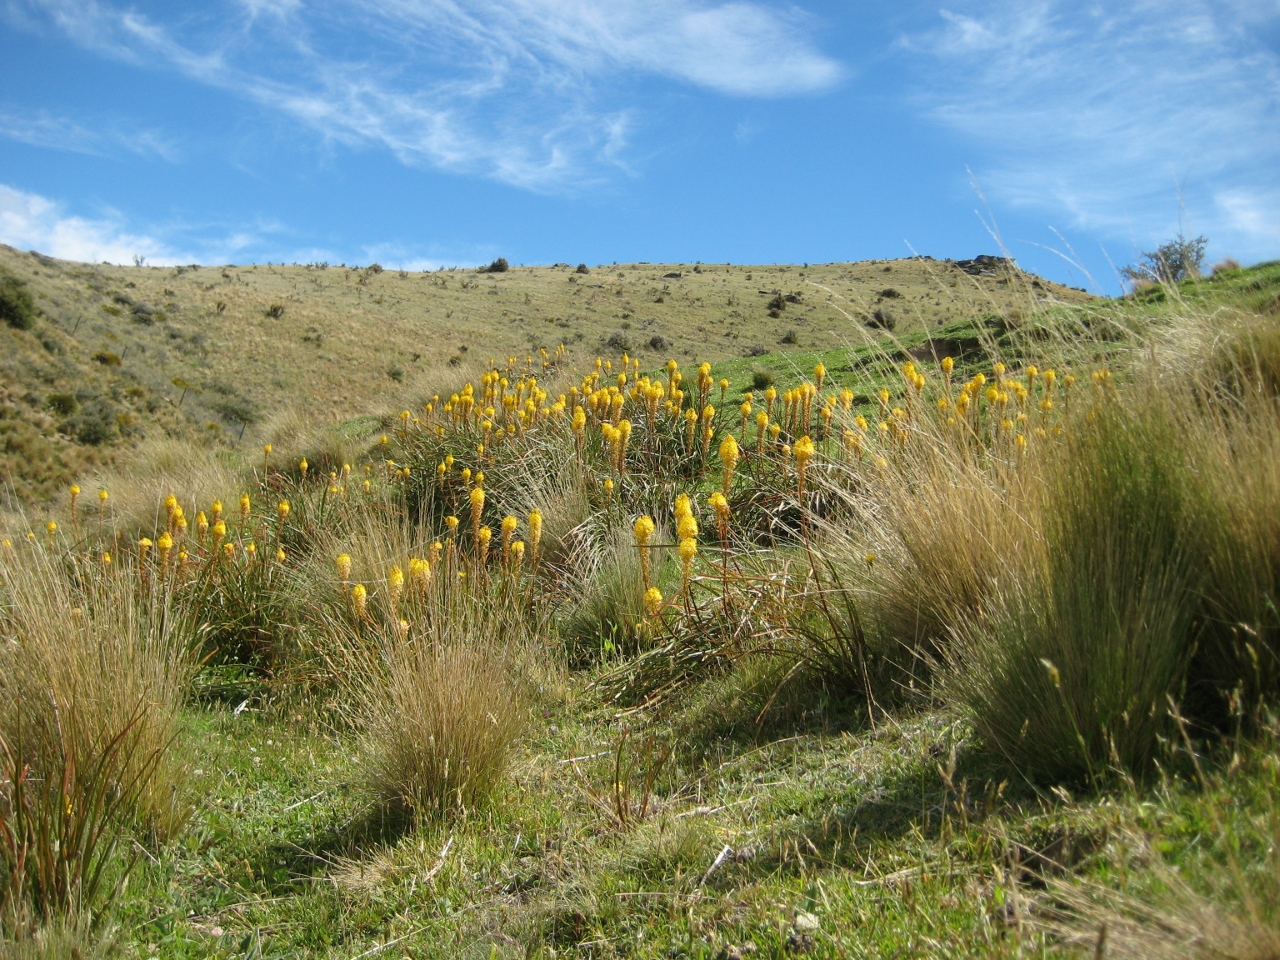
(29,221)
(1116,112)
(42,129)
(530,92)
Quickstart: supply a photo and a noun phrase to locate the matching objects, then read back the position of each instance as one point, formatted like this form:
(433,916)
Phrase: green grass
(764,806)
(899,840)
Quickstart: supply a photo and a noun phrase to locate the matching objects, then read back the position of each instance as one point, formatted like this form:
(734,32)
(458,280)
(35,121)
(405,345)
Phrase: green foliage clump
(17,306)
(1172,262)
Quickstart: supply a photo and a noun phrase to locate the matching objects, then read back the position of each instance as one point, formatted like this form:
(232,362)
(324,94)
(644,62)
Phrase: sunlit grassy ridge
(122,355)
(946,644)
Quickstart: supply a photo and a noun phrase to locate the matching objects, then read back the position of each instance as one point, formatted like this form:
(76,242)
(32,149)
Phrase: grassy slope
(894,841)
(349,340)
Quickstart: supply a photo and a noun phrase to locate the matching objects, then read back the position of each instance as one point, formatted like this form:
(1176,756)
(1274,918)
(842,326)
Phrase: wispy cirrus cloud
(1114,112)
(43,129)
(535,93)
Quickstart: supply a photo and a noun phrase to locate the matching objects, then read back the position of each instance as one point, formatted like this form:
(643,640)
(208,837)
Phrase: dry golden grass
(91,654)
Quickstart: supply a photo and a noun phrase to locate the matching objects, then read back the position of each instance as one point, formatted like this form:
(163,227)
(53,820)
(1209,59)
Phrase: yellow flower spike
(266,450)
(51,528)
(367,486)
(144,547)
(477,508)
(820,373)
(870,559)
(998,370)
(509,525)
(164,543)
(75,495)
(684,506)
(280,556)
(774,430)
(729,455)
(343,564)
(643,529)
(517,554)
(395,585)
(483,536)
(202,526)
(360,600)
(419,573)
(688,550)
(251,549)
(244,507)
(803,452)
(653,601)
(303,466)
(106,559)
(448,461)
(219,531)
(1050,376)
(282,510)
(535,533)
(948,364)
(720,504)
(433,552)
(687,527)
(452,523)
(608,489)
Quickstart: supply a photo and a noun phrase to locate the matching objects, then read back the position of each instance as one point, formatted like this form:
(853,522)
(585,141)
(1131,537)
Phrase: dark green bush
(17,307)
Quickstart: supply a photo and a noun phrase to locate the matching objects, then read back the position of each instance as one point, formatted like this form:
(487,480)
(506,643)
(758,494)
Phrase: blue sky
(421,133)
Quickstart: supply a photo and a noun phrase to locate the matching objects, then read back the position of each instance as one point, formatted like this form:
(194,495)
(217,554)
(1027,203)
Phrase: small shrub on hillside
(63,404)
(790,338)
(582,268)
(17,306)
(761,378)
(882,319)
(275,311)
(1172,262)
(498,266)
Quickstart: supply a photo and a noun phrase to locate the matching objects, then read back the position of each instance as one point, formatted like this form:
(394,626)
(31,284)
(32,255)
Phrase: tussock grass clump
(1090,625)
(441,733)
(435,668)
(88,656)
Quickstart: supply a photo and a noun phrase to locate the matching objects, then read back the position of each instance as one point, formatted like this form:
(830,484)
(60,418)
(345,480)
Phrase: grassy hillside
(957,642)
(215,353)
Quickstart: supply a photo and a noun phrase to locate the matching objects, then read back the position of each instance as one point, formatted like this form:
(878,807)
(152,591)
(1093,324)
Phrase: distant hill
(124,353)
